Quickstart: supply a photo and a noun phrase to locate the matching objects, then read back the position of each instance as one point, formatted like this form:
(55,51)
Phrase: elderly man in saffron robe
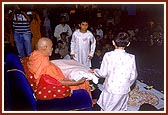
(39,64)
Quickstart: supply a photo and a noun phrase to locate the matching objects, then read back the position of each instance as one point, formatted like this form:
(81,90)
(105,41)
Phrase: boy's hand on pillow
(90,57)
(91,70)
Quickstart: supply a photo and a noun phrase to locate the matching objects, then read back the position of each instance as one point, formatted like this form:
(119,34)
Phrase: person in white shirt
(62,27)
(119,70)
(99,31)
(83,44)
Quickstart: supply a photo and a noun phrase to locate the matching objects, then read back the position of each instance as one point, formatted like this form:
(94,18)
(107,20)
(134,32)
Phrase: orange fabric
(48,87)
(39,64)
(35,30)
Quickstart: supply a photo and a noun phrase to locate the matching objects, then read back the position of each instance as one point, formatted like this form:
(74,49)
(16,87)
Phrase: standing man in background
(21,31)
(62,27)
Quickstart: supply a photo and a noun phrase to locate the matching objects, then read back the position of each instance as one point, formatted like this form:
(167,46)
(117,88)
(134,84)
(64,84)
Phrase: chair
(19,95)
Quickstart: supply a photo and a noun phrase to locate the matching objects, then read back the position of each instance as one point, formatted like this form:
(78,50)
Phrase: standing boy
(119,70)
(83,44)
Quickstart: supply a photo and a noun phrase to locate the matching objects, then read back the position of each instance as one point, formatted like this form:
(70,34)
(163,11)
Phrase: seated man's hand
(81,81)
(73,82)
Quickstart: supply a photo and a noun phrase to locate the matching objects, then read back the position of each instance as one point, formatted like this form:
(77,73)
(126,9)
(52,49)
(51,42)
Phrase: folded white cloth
(77,75)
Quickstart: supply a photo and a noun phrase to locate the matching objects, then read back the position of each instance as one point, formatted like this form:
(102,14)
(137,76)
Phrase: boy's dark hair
(97,36)
(83,19)
(63,33)
(122,39)
(98,48)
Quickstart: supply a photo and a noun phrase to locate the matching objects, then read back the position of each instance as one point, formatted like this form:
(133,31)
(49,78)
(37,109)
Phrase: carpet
(142,93)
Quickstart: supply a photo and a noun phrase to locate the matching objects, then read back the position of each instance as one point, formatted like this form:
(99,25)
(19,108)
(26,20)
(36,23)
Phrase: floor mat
(142,93)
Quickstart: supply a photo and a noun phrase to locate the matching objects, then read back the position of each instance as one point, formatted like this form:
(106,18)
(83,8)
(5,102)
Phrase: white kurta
(83,45)
(99,32)
(59,29)
(119,70)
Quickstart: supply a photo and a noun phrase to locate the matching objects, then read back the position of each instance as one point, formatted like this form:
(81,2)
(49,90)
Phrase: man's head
(44,45)
(17,9)
(63,20)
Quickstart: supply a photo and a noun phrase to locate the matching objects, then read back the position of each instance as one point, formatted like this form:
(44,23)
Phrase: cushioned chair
(20,96)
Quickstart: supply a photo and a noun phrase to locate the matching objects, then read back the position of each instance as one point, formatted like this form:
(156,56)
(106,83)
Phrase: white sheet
(73,70)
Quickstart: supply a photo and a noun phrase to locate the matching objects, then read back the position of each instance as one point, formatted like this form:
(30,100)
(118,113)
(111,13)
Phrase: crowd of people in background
(104,23)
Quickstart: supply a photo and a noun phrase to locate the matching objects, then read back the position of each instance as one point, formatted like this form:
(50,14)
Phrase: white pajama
(113,102)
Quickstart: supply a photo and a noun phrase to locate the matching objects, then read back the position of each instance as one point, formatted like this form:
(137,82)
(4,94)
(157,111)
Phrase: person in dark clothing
(96,62)
(147,107)
(97,58)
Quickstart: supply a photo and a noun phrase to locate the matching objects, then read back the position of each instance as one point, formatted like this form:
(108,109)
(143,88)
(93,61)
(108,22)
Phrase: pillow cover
(50,88)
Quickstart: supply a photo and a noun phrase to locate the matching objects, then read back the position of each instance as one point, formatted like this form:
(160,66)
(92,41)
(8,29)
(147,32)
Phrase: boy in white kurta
(119,70)
(83,44)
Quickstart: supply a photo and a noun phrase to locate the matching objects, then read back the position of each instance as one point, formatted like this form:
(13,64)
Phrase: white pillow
(73,70)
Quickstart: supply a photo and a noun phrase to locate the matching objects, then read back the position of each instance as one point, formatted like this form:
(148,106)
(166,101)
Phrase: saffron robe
(39,64)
